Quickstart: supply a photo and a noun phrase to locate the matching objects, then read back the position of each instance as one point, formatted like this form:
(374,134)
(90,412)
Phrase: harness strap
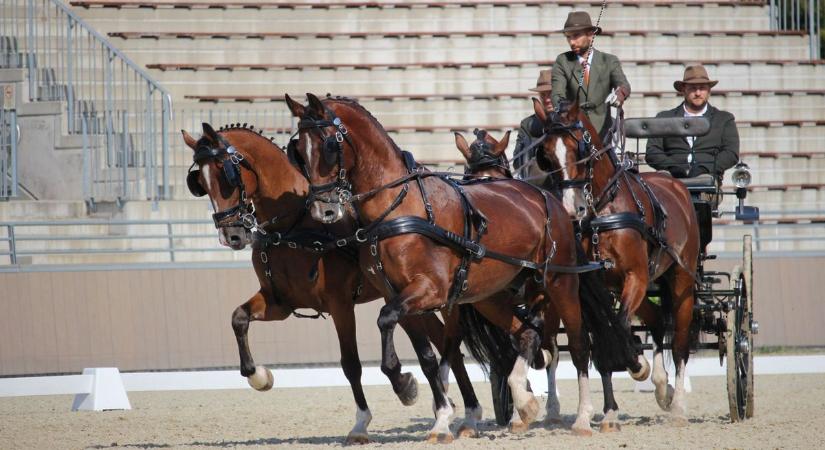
(413,224)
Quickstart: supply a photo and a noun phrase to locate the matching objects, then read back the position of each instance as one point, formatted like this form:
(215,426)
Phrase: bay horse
(421,244)
(486,157)
(644,223)
(251,184)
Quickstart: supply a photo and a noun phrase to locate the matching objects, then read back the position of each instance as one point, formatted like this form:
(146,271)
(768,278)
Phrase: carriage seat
(702,183)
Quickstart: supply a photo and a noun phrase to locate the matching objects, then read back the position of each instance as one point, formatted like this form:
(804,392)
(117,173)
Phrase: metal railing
(85,242)
(112,241)
(121,113)
(8,152)
(805,15)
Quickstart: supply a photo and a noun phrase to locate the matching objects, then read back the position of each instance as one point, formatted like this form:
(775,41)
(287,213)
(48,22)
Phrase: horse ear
(315,104)
(188,139)
(209,132)
(538,108)
(296,108)
(462,145)
(502,144)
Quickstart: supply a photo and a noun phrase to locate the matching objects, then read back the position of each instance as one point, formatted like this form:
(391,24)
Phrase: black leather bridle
(240,215)
(332,151)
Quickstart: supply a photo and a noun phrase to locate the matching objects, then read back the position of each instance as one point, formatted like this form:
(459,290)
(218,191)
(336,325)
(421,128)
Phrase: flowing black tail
(613,348)
(489,345)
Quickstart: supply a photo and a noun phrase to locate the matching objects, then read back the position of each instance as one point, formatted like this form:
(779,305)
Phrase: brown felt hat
(579,21)
(543,84)
(694,75)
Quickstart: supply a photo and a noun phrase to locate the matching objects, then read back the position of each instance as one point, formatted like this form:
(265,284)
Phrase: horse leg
(549,342)
(256,308)
(682,292)
(563,290)
(634,292)
(448,345)
(651,315)
(413,299)
(501,315)
(343,316)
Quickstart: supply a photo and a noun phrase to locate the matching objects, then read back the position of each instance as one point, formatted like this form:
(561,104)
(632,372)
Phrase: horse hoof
(357,439)
(529,412)
(518,427)
(262,379)
(644,372)
(466,431)
(552,421)
(665,400)
(440,438)
(409,389)
(610,426)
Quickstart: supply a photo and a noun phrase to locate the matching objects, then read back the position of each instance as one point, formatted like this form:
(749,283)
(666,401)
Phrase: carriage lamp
(742,179)
(741,175)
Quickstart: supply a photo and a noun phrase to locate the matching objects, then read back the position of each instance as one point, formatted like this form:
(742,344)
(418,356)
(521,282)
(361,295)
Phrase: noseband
(243,214)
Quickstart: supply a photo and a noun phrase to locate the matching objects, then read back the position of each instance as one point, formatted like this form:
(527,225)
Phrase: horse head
(226,171)
(485,156)
(567,142)
(326,150)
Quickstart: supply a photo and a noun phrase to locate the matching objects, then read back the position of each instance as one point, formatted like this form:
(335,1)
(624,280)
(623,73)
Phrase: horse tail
(613,348)
(489,345)
(666,299)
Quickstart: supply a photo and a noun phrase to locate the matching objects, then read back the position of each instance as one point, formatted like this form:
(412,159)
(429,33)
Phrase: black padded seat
(655,127)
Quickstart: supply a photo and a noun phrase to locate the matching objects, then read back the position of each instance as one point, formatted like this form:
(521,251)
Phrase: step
(500,15)
(233,48)
(501,76)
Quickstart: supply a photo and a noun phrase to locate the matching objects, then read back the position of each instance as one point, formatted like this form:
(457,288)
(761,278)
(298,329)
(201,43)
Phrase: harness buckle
(236,158)
(292,245)
(248,221)
(264,257)
(361,235)
(276,239)
(339,137)
(374,249)
(319,247)
(341,242)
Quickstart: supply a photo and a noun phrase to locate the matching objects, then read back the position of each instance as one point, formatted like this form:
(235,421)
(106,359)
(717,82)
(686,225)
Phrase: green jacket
(712,153)
(605,75)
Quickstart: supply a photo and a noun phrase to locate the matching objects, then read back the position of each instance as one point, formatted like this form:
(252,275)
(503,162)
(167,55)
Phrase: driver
(701,157)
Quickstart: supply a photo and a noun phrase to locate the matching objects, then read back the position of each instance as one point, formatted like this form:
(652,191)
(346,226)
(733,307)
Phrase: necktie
(586,74)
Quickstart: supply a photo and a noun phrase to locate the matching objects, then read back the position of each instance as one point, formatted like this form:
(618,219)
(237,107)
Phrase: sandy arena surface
(788,415)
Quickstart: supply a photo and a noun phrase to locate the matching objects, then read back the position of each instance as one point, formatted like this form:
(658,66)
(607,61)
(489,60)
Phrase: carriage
(724,300)
(724,306)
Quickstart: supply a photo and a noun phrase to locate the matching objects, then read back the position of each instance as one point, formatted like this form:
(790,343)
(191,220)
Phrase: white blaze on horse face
(308,150)
(208,180)
(572,199)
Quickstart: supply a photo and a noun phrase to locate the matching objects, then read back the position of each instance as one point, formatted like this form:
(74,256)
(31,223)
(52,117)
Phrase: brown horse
(487,157)
(421,234)
(251,183)
(644,223)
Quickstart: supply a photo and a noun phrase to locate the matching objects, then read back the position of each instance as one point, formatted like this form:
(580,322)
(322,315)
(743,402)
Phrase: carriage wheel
(739,342)
(502,398)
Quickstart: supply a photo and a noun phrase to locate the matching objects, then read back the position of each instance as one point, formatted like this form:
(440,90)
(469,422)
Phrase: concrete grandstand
(424,69)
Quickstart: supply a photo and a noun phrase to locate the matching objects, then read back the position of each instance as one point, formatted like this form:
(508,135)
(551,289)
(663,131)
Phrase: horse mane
(250,129)
(353,103)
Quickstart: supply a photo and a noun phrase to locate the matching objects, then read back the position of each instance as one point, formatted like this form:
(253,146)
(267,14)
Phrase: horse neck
(378,162)
(282,189)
